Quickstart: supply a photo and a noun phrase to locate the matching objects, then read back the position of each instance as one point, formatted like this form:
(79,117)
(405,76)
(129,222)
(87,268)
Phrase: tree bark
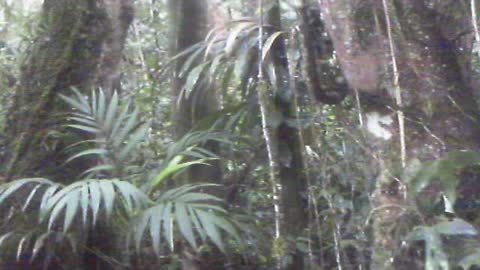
(189,22)
(120,16)
(79,45)
(76,41)
(293,203)
(432,47)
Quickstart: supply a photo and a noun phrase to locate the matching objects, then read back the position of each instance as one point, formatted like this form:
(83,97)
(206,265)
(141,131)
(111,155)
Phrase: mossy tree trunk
(75,40)
(420,72)
(78,45)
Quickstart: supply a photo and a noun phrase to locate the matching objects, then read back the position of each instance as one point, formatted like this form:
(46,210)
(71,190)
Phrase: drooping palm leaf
(89,199)
(29,244)
(83,198)
(234,48)
(196,216)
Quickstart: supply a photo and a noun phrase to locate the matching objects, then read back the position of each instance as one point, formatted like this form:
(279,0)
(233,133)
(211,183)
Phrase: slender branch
(475,26)
(396,85)
(272,151)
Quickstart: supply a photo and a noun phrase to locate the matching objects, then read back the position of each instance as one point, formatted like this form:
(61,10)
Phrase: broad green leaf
(82,99)
(100,116)
(208,207)
(226,226)
(167,224)
(56,210)
(140,226)
(95,199)
(172,60)
(4,238)
(134,141)
(269,43)
(76,104)
(108,195)
(85,128)
(97,151)
(456,226)
(129,126)
(176,192)
(23,244)
(184,223)
(73,242)
(73,200)
(196,223)
(197,196)
(94,104)
(111,112)
(211,43)
(132,196)
(234,34)
(193,78)
(120,119)
(11,188)
(49,193)
(30,197)
(173,167)
(90,123)
(50,204)
(39,244)
(155,227)
(210,228)
(445,170)
(99,168)
(84,204)
(189,62)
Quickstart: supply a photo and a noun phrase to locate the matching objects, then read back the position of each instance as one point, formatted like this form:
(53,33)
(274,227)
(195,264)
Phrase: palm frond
(115,129)
(31,187)
(226,51)
(87,198)
(186,152)
(196,216)
(83,198)
(191,144)
(30,244)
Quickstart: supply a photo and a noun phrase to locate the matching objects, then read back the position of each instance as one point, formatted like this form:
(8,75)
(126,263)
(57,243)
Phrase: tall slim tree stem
(270,140)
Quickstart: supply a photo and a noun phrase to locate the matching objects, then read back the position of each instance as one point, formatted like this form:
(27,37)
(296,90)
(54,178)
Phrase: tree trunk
(79,46)
(292,177)
(417,86)
(77,37)
(120,15)
(189,22)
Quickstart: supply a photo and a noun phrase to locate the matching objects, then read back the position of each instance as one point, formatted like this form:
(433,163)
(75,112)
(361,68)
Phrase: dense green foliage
(304,184)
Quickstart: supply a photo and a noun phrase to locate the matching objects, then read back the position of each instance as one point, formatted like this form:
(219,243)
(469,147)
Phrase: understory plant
(45,216)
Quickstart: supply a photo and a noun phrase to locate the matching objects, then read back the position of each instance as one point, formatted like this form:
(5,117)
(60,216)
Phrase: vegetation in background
(253,134)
